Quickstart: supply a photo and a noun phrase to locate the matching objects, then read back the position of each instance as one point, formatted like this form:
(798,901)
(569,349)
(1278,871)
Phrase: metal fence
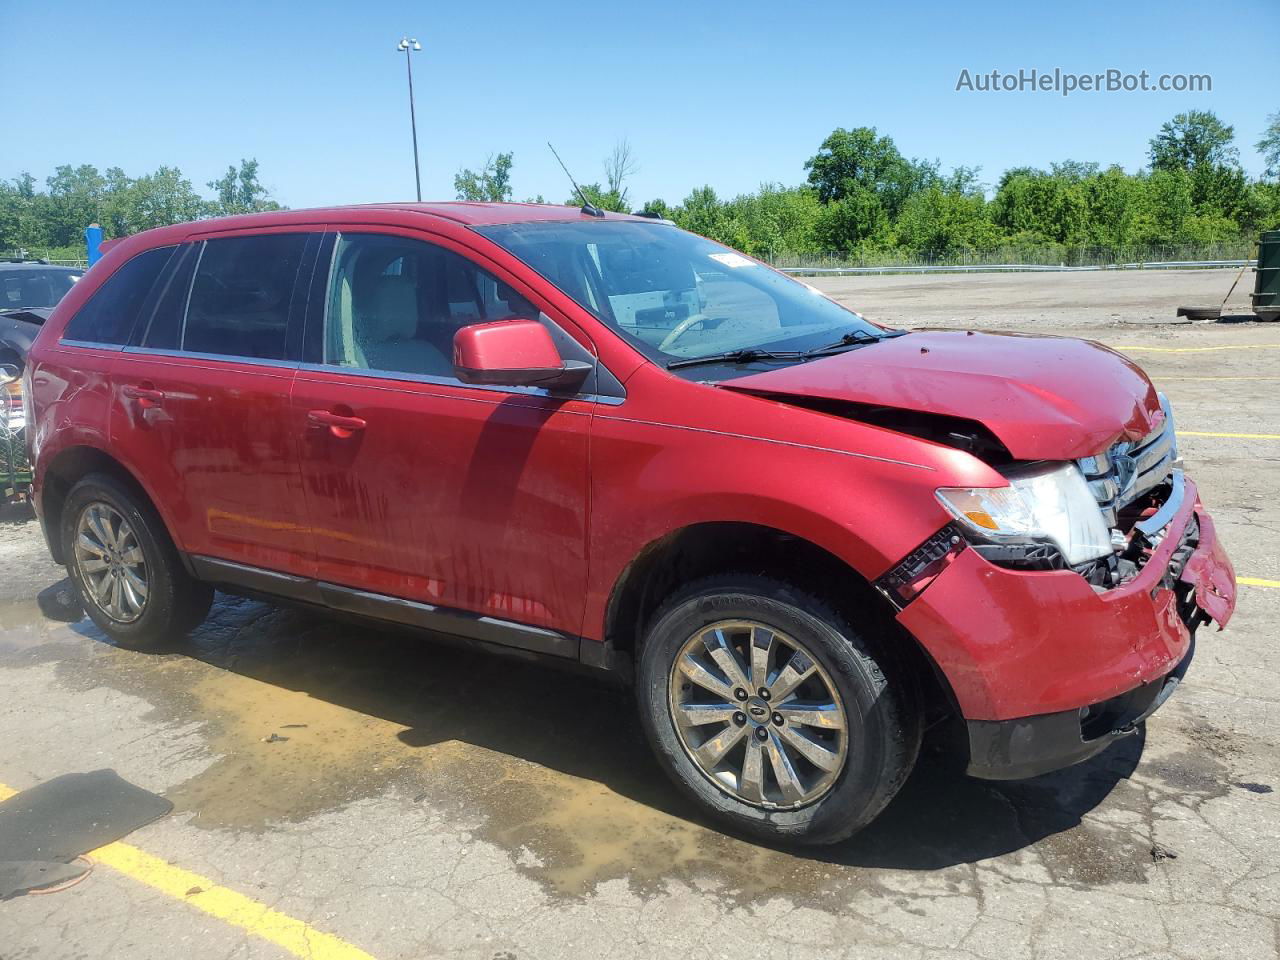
(44,255)
(1027,258)
(1013,267)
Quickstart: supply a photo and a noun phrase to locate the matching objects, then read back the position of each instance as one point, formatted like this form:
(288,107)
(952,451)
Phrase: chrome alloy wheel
(757,715)
(111,564)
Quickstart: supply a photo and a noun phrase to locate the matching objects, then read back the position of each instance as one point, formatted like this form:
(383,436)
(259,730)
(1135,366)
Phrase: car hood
(1044,398)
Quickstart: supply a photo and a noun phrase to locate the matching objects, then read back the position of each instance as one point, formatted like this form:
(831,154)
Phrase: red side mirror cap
(512,353)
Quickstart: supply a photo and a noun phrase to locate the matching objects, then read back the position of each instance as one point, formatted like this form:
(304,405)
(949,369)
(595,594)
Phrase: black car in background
(29,290)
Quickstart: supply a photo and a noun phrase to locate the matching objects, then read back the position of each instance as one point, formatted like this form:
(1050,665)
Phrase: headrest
(393,312)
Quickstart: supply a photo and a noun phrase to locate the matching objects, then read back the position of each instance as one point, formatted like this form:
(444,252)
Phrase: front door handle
(338,424)
(137,392)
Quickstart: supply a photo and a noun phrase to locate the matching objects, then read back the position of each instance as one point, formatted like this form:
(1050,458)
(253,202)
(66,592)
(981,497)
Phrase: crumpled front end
(1047,667)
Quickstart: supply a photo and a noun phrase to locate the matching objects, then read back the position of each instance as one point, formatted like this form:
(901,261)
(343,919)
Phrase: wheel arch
(714,547)
(65,470)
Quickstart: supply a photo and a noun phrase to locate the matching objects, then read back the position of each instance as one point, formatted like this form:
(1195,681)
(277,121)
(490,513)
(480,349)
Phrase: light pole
(410,46)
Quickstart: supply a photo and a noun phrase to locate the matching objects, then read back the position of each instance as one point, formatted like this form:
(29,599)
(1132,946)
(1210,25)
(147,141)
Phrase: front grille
(1127,470)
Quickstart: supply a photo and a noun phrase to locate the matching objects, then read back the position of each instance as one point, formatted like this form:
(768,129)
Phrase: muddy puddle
(304,714)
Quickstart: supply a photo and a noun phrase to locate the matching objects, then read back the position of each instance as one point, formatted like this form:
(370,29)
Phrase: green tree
(656,208)
(492,183)
(239,191)
(161,198)
(1042,205)
(1269,147)
(870,181)
(1194,139)
(703,213)
(73,202)
(859,159)
(936,222)
(855,223)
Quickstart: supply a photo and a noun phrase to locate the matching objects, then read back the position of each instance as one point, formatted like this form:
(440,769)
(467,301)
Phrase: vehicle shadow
(577,725)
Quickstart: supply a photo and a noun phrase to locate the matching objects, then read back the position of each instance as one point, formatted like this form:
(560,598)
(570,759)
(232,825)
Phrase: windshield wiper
(746,355)
(854,338)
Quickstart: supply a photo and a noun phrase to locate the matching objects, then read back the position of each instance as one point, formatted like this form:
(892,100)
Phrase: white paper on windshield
(733,260)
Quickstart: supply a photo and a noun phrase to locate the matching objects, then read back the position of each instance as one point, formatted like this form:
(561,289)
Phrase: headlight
(1049,502)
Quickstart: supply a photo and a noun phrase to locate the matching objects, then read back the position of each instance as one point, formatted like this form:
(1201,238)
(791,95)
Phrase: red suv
(607,442)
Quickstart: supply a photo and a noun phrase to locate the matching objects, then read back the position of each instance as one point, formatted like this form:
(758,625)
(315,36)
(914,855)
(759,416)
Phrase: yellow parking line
(1240,436)
(1257,582)
(1230,346)
(300,939)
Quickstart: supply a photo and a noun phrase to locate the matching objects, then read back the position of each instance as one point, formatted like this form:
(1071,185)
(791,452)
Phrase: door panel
(457,497)
(215,443)
(417,485)
(201,399)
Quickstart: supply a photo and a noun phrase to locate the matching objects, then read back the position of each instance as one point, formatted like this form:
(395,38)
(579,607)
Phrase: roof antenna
(589,208)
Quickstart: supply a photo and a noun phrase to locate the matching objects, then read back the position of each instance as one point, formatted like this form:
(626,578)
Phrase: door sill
(490,631)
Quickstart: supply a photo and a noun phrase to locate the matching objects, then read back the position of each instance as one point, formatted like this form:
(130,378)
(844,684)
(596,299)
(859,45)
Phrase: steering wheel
(680,329)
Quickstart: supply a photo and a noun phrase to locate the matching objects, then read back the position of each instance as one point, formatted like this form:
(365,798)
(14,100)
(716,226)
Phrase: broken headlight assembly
(1046,518)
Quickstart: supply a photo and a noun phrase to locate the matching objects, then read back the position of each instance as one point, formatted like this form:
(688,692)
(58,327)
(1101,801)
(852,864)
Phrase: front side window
(675,295)
(395,303)
(109,315)
(240,299)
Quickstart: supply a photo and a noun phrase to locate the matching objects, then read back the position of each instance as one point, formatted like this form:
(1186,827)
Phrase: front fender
(651,478)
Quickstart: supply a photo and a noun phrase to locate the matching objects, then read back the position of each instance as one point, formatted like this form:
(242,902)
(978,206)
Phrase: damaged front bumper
(1046,669)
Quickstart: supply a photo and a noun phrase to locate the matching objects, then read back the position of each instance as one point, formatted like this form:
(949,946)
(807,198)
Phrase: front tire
(125,568)
(767,708)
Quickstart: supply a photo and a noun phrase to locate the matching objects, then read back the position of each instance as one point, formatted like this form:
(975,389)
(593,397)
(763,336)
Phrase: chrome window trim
(91,344)
(221,357)
(438,381)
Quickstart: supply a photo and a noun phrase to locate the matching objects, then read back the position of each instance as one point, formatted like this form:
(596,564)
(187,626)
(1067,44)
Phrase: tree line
(864,198)
(53,219)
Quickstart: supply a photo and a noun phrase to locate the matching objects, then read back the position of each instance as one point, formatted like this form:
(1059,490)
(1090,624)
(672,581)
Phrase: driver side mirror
(514,353)
(8,374)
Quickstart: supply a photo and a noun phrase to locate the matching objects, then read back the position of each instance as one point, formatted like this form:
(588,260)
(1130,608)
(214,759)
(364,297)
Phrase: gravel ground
(432,803)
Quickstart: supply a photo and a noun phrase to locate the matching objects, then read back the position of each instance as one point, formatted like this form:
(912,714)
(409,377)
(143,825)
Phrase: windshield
(677,296)
(34,287)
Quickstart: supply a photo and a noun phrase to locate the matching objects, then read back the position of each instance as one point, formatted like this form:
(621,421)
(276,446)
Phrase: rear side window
(113,309)
(240,299)
(163,329)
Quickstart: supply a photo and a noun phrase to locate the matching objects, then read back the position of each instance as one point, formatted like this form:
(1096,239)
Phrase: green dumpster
(1266,289)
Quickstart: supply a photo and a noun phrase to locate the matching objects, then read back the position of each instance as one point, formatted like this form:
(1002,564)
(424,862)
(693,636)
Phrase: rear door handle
(134,392)
(335,421)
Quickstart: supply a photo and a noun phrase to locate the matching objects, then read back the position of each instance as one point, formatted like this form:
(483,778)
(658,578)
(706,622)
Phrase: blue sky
(730,94)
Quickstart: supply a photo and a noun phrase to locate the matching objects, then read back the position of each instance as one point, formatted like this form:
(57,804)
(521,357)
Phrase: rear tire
(126,571)
(861,728)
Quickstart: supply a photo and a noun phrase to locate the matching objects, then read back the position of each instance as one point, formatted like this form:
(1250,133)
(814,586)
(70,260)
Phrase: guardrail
(1017,267)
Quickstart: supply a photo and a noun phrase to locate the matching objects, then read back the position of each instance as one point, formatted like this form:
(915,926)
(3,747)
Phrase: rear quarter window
(113,309)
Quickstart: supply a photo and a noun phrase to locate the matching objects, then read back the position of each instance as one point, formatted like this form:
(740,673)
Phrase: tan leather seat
(387,331)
